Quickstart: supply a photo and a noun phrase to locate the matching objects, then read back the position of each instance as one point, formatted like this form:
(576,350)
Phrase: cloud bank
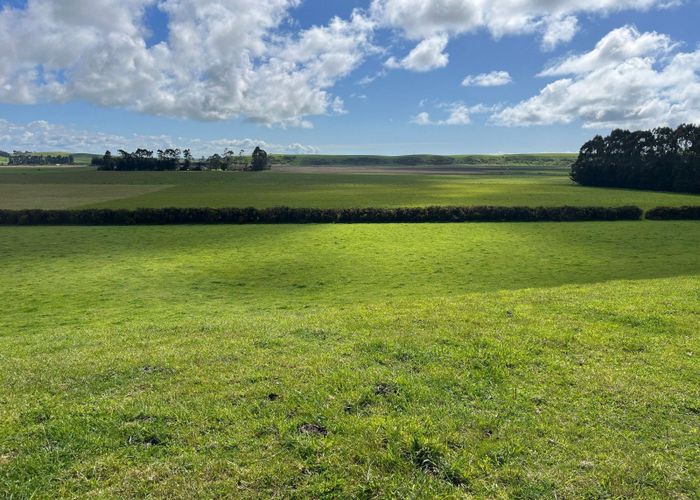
(222,59)
(45,136)
(629,80)
(248,59)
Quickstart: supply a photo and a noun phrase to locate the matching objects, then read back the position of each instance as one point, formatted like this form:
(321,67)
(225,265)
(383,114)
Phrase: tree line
(176,159)
(27,158)
(661,159)
(286,215)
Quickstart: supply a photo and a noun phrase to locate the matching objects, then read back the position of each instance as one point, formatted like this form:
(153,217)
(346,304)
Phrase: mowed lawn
(85,187)
(494,360)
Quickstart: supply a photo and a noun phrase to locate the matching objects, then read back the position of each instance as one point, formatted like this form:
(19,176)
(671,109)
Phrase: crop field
(502,360)
(84,187)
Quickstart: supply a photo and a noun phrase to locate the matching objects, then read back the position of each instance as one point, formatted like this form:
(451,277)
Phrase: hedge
(674,213)
(286,215)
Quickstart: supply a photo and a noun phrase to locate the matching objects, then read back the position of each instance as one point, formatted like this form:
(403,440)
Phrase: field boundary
(674,213)
(287,215)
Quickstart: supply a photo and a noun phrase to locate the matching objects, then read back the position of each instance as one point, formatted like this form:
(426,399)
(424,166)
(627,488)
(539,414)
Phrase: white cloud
(45,136)
(223,58)
(427,55)
(617,46)
(630,80)
(422,118)
(421,19)
(559,30)
(493,79)
(457,114)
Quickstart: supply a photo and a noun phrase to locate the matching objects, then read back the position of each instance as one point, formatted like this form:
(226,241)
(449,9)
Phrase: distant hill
(539,161)
(79,158)
(544,161)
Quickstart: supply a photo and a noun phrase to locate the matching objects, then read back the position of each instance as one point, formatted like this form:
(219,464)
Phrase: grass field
(525,360)
(493,360)
(516,162)
(84,187)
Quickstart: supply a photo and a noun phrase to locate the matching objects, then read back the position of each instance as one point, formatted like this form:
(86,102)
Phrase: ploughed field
(409,360)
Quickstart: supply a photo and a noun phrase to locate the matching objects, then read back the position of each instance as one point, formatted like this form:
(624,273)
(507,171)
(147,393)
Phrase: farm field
(86,187)
(493,360)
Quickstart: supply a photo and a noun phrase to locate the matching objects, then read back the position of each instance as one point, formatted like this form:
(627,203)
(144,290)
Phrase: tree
(107,163)
(229,160)
(260,160)
(143,153)
(215,161)
(187,155)
(661,159)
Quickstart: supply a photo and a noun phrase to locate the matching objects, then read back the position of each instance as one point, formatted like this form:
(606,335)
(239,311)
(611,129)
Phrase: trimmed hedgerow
(286,215)
(674,213)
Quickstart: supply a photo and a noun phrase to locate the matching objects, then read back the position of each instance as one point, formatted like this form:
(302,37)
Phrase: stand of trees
(662,159)
(27,158)
(176,159)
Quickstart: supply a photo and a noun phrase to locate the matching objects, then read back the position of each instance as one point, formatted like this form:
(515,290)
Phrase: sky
(343,76)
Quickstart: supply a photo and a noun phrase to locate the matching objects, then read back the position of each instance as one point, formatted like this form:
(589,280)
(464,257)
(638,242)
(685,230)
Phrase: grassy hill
(80,158)
(539,161)
(492,360)
(527,360)
(547,161)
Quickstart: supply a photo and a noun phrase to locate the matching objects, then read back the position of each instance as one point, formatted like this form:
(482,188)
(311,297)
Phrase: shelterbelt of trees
(176,159)
(662,159)
(27,158)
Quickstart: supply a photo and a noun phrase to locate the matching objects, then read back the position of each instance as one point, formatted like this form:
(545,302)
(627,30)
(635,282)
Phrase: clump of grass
(429,457)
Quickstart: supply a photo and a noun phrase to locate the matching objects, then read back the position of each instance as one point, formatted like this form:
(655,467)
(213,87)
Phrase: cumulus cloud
(222,58)
(618,46)
(427,55)
(556,21)
(558,30)
(45,136)
(493,79)
(457,114)
(630,79)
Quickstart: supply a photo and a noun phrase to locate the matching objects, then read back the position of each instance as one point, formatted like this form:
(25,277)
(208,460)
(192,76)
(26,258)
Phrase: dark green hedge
(674,213)
(285,215)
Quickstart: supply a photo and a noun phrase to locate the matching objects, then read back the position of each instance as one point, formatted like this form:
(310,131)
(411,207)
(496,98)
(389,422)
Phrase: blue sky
(80,95)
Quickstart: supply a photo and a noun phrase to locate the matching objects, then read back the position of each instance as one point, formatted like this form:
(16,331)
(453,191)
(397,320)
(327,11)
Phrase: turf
(76,188)
(497,360)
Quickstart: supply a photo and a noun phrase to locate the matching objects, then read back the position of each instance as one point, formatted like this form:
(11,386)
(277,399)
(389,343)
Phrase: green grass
(84,187)
(497,360)
(546,161)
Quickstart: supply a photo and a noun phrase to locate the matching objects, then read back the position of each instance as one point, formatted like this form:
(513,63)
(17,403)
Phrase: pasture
(85,187)
(487,360)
